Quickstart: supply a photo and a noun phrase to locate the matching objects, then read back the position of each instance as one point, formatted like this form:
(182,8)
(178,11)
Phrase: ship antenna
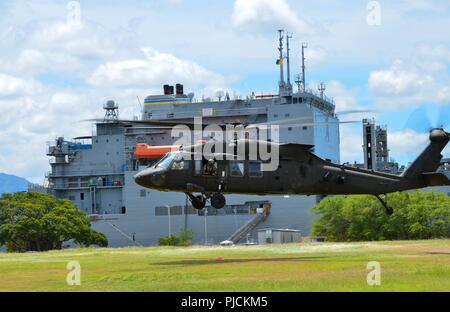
(322,87)
(304,46)
(298,81)
(140,104)
(280,60)
(288,36)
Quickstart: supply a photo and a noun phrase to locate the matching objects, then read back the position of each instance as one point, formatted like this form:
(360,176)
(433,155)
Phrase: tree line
(417,215)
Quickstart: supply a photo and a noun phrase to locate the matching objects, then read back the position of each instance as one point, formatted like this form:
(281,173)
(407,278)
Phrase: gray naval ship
(96,172)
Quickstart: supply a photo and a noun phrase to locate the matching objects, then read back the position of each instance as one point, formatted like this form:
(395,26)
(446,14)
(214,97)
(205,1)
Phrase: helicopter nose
(138,178)
(149,178)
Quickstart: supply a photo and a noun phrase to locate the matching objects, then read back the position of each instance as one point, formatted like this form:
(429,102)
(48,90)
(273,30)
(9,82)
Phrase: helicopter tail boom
(425,166)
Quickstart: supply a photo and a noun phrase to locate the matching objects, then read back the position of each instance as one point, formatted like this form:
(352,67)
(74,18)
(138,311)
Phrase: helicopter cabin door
(211,174)
(245,176)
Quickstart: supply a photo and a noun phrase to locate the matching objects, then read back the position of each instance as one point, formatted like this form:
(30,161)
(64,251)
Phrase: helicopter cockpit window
(179,163)
(236,168)
(166,161)
(254,169)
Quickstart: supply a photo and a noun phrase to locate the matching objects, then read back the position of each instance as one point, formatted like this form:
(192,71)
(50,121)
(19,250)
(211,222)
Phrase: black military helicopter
(300,172)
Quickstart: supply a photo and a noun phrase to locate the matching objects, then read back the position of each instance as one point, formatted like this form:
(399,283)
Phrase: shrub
(40,222)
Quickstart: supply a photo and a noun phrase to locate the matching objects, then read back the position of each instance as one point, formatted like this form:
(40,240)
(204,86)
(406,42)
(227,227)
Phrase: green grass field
(405,266)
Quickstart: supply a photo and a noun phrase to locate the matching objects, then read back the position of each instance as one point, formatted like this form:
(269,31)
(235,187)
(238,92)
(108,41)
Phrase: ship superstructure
(96,172)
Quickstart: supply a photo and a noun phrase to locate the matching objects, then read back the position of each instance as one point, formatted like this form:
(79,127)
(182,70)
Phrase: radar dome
(220,93)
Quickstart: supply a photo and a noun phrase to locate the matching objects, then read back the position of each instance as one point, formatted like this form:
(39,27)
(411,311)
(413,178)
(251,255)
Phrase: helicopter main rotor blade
(170,124)
(444,116)
(291,124)
(355,111)
(419,121)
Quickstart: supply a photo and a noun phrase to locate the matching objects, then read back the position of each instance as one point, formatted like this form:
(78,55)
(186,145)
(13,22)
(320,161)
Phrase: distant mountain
(12,184)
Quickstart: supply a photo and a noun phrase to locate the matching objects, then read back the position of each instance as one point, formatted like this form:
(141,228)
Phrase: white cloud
(56,32)
(271,14)
(108,66)
(406,143)
(433,59)
(11,86)
(30,59)
(83,39)
(397,80)
(315,56)
(423,79)
(152,71)
(351,144)
(404,146)
(344,98)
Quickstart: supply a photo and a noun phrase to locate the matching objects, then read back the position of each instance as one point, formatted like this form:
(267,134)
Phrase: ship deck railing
(68,188)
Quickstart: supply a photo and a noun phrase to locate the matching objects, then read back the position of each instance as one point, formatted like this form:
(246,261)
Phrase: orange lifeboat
(145,151)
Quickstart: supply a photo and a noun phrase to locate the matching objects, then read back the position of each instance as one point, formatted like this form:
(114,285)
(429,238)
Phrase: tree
(417,215)
(40,222)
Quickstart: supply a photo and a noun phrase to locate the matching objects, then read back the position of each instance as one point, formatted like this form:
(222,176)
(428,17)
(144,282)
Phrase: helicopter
(299,172)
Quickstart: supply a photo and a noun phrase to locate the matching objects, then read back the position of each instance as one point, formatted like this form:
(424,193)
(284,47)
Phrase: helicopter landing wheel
(218,201)
(199,202)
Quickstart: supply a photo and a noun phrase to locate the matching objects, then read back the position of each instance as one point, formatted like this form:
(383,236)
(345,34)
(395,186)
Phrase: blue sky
(56,69)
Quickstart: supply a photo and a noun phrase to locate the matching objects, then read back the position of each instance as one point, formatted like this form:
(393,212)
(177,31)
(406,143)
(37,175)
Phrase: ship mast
(304,46)
(280,62)
(289,85)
